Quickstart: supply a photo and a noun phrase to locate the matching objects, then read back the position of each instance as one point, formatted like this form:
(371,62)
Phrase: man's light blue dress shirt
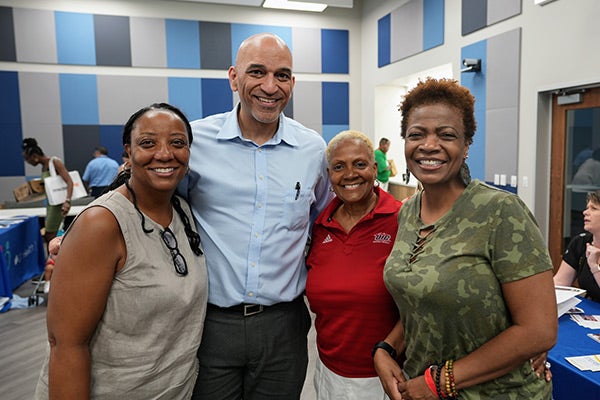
(255,206)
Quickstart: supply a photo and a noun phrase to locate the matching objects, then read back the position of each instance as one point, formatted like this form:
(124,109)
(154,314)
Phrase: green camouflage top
(449,297)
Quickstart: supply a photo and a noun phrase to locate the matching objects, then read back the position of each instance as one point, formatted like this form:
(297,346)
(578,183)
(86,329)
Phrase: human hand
(66,206)
(592,254)
(541,366)
(390,374)
(54,247)
(416,389)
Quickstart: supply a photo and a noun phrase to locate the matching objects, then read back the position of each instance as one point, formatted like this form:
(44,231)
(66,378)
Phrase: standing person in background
(351,239)
(255,186)
(384,169)
(581,260)
(125,163)
(34,155)
(129,291)
(100,172)
(466,259)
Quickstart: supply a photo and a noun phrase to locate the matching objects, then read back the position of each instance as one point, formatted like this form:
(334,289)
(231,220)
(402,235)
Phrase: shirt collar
(231,130)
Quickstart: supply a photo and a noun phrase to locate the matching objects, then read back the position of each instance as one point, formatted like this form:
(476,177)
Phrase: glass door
(575,166)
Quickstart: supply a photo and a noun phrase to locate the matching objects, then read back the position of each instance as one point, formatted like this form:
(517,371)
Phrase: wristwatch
(385,346)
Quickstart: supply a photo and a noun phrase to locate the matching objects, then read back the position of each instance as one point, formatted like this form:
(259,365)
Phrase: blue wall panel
(75,38)
(183,43)
(11,161)
(239,32)
(334,51)
(216,96)
(433,23)
(335,103)
(186,94)
(329,131)
(111,137)
(476,83)
(79,99)
(384,40)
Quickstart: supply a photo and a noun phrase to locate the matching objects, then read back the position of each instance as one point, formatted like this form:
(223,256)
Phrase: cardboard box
(30,191)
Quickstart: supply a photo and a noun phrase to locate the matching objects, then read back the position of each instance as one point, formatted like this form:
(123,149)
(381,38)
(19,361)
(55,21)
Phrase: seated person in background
(581,260)
(589,172)
(100,172)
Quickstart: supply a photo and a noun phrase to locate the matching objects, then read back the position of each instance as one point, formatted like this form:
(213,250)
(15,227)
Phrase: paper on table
(586,363)
(587,321)
(566,298)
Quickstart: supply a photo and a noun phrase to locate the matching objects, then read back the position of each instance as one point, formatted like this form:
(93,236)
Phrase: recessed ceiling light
(294,5)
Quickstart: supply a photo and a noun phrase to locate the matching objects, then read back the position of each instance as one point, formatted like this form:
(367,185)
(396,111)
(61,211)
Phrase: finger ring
(547,365)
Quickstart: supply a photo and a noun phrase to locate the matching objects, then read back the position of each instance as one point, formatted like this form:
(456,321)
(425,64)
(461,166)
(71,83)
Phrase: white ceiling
(258,3)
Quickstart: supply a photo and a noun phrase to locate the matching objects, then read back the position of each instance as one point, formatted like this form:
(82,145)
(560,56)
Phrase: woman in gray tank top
(128,295)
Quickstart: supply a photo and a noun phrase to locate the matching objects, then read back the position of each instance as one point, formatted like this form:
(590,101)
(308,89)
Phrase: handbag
(56,187)
(393,170)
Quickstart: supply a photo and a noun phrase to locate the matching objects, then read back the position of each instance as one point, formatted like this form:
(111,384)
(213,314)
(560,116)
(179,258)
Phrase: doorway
(575,163)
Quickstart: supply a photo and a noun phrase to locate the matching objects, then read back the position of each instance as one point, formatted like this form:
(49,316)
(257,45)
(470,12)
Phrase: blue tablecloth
(22,255)
(569,382)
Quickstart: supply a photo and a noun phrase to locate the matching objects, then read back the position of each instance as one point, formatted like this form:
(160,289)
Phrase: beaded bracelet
(449,375)
(438,389)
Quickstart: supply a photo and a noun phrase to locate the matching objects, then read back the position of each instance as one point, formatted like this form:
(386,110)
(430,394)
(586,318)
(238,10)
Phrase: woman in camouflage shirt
(466,261)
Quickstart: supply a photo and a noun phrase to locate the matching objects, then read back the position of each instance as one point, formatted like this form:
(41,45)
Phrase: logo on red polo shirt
(327,239)
(382,237)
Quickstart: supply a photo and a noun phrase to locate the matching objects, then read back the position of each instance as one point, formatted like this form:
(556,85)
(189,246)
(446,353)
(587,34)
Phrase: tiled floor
(23,346)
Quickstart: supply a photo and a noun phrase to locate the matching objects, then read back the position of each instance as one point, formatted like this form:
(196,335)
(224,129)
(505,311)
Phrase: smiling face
(263,79)
(159,151)
(435,145)
(352,171)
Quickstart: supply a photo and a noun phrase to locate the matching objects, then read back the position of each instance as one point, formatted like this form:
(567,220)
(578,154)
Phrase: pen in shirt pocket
(297,190)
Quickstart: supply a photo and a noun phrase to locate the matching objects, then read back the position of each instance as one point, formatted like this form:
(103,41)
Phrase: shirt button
(253,264)
(251,294)
(259,205)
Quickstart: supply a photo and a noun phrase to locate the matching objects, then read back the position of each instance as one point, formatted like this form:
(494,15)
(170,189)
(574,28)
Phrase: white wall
(559,49)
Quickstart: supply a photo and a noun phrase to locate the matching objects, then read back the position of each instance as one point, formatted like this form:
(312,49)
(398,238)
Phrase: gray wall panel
(406,30)
(148,42)
(7,33)
(308,105)
(35,35)
(501,143)
(306,50)
(474,15)
(215,45)
(502,102)
(498,10)
(120,96)
(112,39)
(503,69)
(79,143)
(40,113)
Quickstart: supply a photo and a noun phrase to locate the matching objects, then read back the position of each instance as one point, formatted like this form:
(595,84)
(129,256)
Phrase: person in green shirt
(383,167)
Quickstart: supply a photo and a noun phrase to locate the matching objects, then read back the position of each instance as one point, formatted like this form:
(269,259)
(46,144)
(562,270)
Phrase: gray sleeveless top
(145,344)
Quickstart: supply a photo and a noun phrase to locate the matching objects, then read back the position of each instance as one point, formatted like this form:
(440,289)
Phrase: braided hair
(123,176)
